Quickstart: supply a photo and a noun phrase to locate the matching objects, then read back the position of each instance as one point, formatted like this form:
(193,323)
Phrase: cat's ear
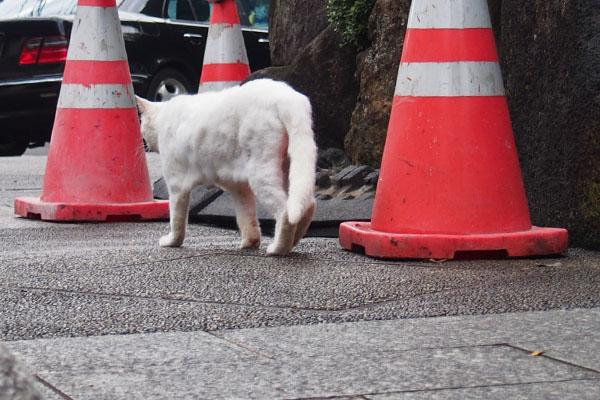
(142,104)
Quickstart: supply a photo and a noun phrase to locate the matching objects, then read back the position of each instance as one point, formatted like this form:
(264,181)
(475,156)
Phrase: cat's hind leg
(304,223)
(245,214)
(269,190)
(178,204)
(283,242)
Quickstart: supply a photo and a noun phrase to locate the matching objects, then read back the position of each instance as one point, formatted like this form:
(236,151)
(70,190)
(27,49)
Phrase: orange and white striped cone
(225,59)
(450,181)
(96,168)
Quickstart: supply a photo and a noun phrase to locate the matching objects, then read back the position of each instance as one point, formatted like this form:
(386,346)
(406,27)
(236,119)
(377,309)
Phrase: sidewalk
(99,311)
(478,357)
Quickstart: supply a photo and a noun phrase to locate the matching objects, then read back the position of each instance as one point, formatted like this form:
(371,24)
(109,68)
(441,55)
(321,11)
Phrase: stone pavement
(478,357)
(99,311)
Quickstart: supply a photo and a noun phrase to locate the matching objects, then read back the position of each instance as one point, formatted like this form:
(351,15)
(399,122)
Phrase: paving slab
(534,331)
(571,390)
(582,350)
(85,279)
(363,359)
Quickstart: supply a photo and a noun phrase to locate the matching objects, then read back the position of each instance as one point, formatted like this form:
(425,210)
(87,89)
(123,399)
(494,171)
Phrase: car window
(152,8)
(36,8)
(254,13)
(189,10)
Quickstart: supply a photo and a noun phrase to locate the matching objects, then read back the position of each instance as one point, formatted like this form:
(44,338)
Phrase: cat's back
(265,84)
(264,95)
(269,89)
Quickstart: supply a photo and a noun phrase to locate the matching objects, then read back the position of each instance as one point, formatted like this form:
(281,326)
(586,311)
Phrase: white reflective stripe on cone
(96,96)
(450,14)
(101,44)
(450,79)
(216,86)
(225,45)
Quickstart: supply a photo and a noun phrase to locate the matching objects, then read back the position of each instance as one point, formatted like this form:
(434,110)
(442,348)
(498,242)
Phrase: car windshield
(10,9)
(253,13)
(148,7)
(36,8)
(256,11)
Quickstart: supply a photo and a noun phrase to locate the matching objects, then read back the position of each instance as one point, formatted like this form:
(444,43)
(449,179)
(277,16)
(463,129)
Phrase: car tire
(11,146)
(168,83)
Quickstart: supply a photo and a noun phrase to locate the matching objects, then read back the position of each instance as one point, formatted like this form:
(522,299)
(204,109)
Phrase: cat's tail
(302,151)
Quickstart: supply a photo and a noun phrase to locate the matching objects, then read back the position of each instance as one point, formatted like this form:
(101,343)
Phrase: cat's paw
(170,241)
(274,250)
(250,243)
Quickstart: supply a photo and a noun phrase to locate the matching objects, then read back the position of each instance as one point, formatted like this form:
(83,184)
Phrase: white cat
(251,139)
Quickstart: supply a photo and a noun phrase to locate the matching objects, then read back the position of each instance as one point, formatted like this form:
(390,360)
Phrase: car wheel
(168,83)
(11,146)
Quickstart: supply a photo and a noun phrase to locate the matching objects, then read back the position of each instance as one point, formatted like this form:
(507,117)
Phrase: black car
(164,40)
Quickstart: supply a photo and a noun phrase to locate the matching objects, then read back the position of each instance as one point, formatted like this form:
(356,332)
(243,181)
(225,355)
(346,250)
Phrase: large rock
(293,25)
(551,64)
(325,72)
(378,69)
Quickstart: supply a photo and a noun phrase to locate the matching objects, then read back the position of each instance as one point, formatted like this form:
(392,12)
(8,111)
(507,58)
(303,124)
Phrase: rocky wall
(551,66)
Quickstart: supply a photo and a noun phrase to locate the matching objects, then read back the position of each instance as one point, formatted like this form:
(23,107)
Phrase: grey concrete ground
(99,311)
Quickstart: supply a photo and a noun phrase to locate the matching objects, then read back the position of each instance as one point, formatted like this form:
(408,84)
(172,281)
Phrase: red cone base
(34,208)
(359,237)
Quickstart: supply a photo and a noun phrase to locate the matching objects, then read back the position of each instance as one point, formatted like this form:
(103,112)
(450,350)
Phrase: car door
(187,23)
(166,46)
(172,41)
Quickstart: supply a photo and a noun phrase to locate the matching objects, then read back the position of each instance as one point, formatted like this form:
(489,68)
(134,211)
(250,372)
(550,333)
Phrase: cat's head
(147,110)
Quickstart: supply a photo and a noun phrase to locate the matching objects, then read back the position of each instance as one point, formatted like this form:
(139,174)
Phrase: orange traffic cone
(450,182)
(225,58)
(96,167)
